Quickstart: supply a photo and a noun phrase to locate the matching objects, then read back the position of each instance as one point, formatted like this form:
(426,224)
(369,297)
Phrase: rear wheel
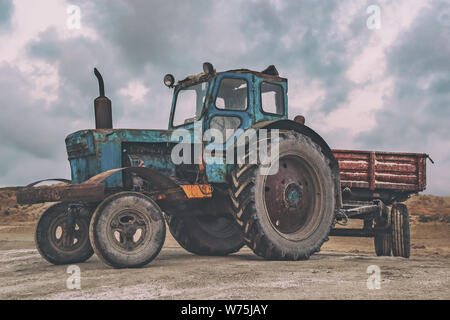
(286,215)
(383,243)
(209,230)
(127,230)
(61,239)
(400,231)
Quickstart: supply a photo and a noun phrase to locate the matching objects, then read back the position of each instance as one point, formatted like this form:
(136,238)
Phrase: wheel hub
(128,229)
(290,196)
(293,195)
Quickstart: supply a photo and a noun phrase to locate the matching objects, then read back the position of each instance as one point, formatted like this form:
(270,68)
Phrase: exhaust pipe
(102,106)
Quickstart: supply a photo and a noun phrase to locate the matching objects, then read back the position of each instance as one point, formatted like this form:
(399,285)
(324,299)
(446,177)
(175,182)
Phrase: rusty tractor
(126,186)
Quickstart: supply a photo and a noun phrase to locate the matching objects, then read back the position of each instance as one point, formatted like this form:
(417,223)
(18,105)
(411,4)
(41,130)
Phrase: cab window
(272,98)
(232,94)
(189,103)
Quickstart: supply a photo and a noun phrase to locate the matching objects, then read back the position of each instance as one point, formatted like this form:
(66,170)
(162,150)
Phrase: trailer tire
(51,231)
(302,190)
(127,230)
(383,243)
(206,234)
(401,243)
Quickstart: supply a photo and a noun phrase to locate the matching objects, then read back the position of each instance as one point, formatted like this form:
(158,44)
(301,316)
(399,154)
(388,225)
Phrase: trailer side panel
(382,170)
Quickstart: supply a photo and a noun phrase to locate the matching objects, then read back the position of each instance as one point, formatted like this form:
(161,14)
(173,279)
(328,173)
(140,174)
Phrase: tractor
(128,184)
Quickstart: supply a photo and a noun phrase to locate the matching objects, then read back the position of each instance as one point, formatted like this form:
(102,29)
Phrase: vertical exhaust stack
(102,106)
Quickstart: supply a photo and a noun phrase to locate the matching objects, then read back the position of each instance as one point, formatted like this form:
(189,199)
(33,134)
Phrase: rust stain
(67,193)
(382,170)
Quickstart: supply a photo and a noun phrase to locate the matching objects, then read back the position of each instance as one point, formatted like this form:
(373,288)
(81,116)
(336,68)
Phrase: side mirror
(169,80)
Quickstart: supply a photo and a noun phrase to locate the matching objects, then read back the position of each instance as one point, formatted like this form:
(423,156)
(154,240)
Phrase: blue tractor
(126,185)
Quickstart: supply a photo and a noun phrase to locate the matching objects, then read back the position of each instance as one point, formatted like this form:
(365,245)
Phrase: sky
(364,78)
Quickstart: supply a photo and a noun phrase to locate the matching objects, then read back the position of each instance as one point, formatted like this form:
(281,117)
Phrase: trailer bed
(386,172)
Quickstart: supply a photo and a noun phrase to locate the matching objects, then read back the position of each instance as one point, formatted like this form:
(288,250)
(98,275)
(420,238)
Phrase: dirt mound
(429,208)
(11,211)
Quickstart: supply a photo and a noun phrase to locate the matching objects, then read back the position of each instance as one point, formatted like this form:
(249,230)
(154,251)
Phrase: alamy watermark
(73,21)
(374,280)
(73,282)
(374,20)
(243,147)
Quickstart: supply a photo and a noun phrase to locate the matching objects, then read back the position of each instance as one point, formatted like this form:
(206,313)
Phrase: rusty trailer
(371,181)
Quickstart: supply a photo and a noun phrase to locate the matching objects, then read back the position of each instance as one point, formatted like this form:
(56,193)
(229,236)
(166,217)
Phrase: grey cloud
(316,52)
(32,140)
(415,118)
(6,11)
(177,36)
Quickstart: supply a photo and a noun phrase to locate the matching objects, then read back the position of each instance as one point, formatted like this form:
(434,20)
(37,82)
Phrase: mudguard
(93,190)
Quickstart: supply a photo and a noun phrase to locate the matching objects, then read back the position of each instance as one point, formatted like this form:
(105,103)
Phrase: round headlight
(208,68)
(169,80)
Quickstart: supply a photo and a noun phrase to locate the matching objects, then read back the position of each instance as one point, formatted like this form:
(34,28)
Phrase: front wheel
(127,230)
(61,239)
(287,215)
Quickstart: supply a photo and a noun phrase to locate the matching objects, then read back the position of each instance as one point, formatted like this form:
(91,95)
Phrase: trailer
(371,181)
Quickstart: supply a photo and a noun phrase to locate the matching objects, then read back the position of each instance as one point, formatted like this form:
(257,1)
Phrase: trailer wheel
(383,243)
(400,231)
(127,230)
(204,233)
(287,215)
(61,242)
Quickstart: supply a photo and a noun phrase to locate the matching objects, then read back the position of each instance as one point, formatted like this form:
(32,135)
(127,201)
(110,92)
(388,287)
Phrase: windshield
(189,103)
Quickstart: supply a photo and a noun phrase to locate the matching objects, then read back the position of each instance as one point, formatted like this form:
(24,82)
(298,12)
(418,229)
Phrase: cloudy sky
(361,88)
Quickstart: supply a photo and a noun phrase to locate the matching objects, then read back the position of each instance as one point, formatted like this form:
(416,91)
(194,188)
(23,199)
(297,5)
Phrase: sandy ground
(339,271)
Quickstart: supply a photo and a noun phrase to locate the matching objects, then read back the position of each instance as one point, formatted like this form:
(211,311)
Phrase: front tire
(288,215)
(60,241)
(127,230)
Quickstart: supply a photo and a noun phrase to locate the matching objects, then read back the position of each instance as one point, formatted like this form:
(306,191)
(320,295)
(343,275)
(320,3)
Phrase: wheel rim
(128,230)
(66,236)
(293,198)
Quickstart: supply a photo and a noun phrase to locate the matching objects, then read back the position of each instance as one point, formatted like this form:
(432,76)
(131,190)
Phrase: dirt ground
(339,271)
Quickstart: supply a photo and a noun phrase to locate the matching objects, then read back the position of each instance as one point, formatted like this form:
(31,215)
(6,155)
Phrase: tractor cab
(227,101)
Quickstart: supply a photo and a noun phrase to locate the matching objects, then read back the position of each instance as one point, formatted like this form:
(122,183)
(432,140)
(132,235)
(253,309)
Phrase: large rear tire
(60,240)
(401,243)
(209,229)
(287,215)
(127,230)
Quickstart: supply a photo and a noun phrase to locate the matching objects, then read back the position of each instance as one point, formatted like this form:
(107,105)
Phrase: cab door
(232,105)
(231,108)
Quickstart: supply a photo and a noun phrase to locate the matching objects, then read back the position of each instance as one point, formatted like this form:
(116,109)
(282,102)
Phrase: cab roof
(270,73)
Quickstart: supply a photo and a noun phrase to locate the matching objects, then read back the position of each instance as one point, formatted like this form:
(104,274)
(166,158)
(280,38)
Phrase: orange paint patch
(194,191)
